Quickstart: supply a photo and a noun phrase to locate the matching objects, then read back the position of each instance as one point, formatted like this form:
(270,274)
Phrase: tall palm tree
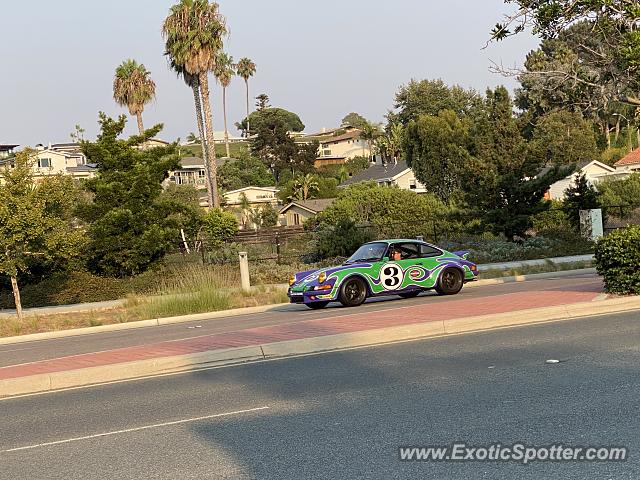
(192,82)
(194,32)
(224,72)
(133,88)
(246,69)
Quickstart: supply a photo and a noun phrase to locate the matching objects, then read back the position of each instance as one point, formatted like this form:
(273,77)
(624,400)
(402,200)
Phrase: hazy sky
(318,59)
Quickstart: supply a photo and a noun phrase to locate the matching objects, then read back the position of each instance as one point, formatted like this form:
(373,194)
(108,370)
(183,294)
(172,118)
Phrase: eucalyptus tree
(194,31)
(133,88)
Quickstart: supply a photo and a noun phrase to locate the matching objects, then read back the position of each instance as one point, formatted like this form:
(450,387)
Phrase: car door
(402,274)
(429,256)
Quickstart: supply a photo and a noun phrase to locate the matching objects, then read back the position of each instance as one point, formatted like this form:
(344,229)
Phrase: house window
(296,219)
(44,163)
(412,184)
(326,153)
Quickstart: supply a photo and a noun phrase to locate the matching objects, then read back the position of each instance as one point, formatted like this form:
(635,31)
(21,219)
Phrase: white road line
(137,429)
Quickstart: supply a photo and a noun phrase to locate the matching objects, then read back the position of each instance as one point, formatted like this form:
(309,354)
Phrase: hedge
(618,261)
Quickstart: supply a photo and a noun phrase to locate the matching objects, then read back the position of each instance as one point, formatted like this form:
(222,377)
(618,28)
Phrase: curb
(186,363)
(156,322)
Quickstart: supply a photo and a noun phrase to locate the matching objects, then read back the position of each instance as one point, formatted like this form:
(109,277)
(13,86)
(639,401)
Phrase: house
(191,172)
(6,150)
(299,211)
(630,163)
(256,196)
(154,142)
(337,149)
(397,174)
(59,159)
(593,171)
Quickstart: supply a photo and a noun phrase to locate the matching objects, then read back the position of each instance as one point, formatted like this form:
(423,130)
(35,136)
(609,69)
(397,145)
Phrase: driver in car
(396,255)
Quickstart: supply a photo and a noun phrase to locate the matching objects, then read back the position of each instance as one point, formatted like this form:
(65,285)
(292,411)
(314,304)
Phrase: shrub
(341,240)
(618,260)
(220,226)
(620,192)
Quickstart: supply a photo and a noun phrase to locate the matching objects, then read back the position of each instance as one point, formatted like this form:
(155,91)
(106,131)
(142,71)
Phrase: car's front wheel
(317,305)
(450,282)
(353,292)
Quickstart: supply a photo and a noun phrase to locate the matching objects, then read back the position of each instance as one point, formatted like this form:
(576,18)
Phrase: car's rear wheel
(353,292)
(413,293)
(317,305)
(450,282)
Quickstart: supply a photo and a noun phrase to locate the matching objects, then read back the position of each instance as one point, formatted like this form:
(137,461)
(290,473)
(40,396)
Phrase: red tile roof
(631,159)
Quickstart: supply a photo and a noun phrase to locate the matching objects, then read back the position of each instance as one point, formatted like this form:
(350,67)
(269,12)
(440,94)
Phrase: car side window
(427,251)
(408,250)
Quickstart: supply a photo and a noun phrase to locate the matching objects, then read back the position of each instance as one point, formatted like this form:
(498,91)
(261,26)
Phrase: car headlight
(322,277)
(292,279)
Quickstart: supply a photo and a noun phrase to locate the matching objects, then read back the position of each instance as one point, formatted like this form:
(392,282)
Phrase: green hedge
(618,261)
(67,288)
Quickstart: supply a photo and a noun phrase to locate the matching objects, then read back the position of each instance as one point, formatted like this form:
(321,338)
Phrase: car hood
(311,276)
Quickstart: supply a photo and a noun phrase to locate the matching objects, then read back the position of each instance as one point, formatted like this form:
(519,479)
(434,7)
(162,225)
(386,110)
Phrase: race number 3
(391,276)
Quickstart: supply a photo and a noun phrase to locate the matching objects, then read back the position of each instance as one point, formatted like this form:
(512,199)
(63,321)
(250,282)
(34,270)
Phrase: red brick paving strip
(346,323)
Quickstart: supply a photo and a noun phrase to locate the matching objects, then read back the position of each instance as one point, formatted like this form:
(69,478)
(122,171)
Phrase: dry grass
(196,290)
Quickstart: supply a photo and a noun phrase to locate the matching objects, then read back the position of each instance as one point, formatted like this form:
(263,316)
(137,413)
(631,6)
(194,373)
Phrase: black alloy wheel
(450,282)
(353,292)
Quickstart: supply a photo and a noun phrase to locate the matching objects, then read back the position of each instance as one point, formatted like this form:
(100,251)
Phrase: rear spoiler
(462,254)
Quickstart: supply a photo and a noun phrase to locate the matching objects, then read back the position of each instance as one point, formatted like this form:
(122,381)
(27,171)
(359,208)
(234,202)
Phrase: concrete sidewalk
(343,328)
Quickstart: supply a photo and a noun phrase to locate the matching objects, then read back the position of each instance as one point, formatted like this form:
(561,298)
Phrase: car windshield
(369,252)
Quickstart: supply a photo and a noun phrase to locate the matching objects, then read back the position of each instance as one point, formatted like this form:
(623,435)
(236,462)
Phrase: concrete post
(245,282)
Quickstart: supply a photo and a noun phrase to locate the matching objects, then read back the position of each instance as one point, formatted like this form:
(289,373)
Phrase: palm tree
(224,72)
(370,132)
(192,82)
(394,141)
(194,32)
(246,69)
(304,187)
(133,88)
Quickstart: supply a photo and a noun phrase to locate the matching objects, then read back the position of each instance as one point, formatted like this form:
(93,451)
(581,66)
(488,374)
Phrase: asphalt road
(343,415)
(55,348)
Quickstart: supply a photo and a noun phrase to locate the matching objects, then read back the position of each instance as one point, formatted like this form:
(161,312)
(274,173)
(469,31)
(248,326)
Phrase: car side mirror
(385,259)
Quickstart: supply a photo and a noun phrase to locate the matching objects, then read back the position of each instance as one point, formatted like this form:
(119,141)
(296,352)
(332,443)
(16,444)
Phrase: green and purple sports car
(384,267)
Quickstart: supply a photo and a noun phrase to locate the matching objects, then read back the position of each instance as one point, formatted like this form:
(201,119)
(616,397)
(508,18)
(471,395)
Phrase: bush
(220,226)
(618,261)
(68,288)
(341,240)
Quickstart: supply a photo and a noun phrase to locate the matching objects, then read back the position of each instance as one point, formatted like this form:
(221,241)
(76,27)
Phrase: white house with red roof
(630,163)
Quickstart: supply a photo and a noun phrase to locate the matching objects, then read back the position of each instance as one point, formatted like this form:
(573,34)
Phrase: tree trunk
(140,125)
(16,296)
(203,143)
(607,132)
(638,132)
(208,121)
(246,82)
(617,131)
(224,112)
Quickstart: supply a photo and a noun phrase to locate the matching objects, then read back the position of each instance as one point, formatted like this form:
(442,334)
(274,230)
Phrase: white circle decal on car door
(391,276)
